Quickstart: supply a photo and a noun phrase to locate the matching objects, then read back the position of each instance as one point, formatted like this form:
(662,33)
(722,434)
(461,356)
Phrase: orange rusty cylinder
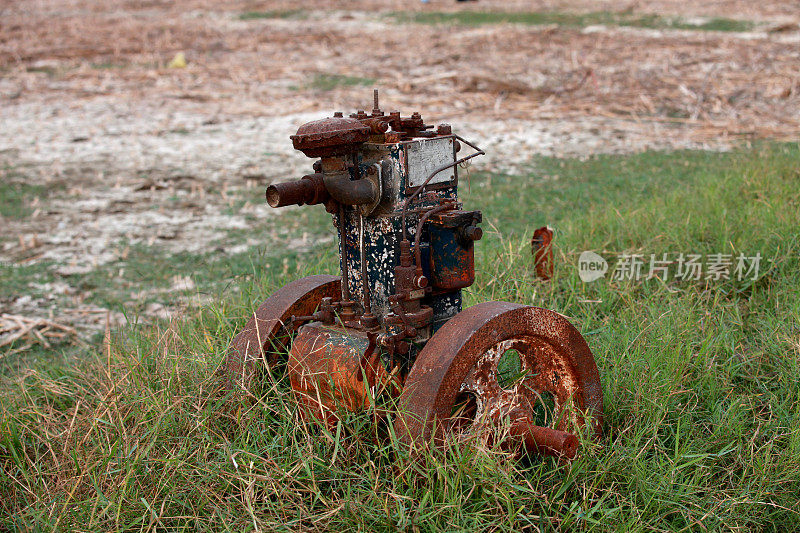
(332,368)
(308,190)
(330,137)
(538,440)
(542,250)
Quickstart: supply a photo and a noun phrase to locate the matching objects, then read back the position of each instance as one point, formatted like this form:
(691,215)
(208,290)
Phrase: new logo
(591,266)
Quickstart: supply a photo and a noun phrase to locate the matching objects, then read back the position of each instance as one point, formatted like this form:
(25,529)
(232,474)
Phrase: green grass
(327,82)
(700,381)
(563,18)
(15,279)
(275,14)
(16,196)
(107,65)
(153,268)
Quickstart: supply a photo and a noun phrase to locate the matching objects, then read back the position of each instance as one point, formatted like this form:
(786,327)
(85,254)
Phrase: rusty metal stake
(542,250)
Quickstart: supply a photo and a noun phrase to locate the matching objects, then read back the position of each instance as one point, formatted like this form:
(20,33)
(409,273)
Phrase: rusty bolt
(473,233)
(369,321)
(444,129)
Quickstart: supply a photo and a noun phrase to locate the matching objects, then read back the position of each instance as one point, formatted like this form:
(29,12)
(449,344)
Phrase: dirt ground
(124,150)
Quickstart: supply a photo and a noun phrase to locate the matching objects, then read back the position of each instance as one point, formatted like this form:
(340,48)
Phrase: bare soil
(136,152)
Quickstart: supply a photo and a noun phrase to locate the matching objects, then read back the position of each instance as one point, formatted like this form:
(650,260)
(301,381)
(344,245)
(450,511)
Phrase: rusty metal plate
(423,156)
(265,334)
(460,363)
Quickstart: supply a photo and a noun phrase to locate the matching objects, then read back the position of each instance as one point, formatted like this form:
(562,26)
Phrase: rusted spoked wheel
(266,335)
(499,364)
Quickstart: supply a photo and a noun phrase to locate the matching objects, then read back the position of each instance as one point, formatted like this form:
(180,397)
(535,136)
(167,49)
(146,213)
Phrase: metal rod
(436,171)
(343,244)
(424,218)
(543,440)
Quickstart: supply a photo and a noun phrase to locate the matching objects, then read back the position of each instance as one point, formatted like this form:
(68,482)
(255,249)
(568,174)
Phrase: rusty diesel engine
(391,322)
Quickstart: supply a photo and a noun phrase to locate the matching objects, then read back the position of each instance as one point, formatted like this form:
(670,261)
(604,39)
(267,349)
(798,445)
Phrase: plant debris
(31,330)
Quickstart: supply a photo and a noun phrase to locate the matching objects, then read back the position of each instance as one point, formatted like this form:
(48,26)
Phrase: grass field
(537,18)
(700,378)
(580,20)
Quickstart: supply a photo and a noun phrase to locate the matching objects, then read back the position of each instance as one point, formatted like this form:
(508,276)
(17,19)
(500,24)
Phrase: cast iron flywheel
(457,387)
(267,334)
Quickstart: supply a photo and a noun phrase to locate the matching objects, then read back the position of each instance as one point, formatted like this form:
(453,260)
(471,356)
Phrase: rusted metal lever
(369,360)
(542,249)
(325,313)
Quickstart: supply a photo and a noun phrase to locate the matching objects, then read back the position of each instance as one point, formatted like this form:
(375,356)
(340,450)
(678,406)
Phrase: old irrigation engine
(391,324)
